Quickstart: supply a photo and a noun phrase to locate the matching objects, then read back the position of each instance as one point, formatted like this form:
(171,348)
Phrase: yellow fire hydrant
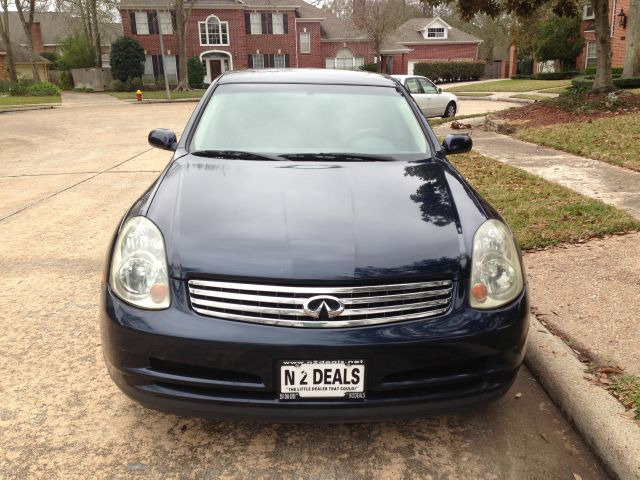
(139,95)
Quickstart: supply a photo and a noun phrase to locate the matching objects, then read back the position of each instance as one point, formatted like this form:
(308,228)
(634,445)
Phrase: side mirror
(163,138)
(453,144)
(439,90)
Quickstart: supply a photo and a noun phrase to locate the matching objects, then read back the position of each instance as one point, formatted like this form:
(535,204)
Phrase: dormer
(436,29)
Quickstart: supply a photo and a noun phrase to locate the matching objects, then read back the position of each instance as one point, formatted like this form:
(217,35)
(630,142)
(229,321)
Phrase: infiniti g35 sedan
(310,255)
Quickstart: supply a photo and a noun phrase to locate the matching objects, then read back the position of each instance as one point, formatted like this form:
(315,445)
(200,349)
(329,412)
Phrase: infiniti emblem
(323,307)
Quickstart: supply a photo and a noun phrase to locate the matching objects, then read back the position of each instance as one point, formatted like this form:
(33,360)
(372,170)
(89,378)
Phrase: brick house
(618,11)
(239,34)
(22,61)
(50,29)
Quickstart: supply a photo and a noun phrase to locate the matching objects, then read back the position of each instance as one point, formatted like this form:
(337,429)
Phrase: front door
(215,67)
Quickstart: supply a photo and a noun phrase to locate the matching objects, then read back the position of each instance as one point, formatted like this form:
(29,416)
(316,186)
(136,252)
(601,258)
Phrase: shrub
(592,71)
(520,77)
(195,72)
(633,82)
(136,83)
(369,67)
(127,59)
(43,89)
(449,71)
(4,86)
(66,80)
(20,88)
(117,85)
(77,52)
(555,75)
(558,38)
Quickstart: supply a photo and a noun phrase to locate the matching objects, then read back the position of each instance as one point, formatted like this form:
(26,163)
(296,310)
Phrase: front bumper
(178,361)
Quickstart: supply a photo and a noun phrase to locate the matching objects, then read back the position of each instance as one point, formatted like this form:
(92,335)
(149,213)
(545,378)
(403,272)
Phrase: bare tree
(632,59)
(27,25)
(183,12)
(378,20)
(6,39)
(96,31)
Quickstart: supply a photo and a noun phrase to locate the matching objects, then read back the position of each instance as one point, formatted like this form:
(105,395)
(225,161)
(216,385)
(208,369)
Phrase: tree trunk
(183,12)
(27,26)
(96,33)
(632,58)
(4,32)
(603,81)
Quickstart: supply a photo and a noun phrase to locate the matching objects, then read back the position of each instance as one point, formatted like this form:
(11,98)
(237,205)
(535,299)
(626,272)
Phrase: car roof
(307,75)
(404,77)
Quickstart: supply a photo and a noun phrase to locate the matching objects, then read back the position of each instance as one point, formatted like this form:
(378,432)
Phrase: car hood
(308,221)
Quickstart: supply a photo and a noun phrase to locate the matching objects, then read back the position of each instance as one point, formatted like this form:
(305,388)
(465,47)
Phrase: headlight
(496,275)
(139,265)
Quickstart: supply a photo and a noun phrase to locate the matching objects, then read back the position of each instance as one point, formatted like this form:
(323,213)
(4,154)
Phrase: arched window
(344,60)
(214,32)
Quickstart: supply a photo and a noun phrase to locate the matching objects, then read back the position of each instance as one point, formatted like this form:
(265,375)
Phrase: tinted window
(413,86)
(427,86)
(276,118)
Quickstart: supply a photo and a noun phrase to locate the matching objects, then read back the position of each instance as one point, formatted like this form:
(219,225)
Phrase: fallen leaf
(577,477)
(544,438)
(518,395)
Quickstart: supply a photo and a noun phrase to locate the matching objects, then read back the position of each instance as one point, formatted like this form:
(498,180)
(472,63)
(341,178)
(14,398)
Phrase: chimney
(36,37)
(358,13)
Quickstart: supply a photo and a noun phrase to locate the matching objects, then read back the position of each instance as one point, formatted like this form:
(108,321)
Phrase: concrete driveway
(66,178)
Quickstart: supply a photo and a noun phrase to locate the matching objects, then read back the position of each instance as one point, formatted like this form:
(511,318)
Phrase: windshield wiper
(339,157)
(237,154)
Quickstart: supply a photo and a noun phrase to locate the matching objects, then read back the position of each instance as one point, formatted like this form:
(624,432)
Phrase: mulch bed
(569,109)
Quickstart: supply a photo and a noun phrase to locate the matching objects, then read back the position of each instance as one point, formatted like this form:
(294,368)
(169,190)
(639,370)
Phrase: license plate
(322,379)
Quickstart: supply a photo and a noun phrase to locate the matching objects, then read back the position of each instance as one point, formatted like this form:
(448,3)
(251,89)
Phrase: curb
(164,100)
(597,415)
(26,108)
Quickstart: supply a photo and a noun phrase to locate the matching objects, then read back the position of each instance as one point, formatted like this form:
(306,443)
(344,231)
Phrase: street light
(623,18)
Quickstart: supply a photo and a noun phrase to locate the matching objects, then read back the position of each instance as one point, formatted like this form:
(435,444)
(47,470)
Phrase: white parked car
(432,100)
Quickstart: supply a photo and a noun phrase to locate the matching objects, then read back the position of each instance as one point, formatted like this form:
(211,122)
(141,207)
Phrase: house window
(279,61)
(258,60)
(588,12)
(305,42)
(214,32)
(256,23)
(148,77)
(170,68)
(344,60)
(142,23)
(591,54)
(435,32)
(165,22)
(277,20)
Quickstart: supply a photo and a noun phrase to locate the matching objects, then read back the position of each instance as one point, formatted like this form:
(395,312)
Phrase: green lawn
(627,389)
(157,94)
(614,140)
(555,90)
(510,86)
(541,213)
(530,96)
(16,101)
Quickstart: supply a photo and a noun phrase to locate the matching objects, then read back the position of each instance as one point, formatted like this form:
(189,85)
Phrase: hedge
(586,81)
(555,75)
(369,67)
(520,76)
(592,71)
(442,72)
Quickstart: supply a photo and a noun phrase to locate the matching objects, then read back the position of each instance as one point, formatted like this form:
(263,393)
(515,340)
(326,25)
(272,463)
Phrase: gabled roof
(20,54)
(409,33)
(57,25)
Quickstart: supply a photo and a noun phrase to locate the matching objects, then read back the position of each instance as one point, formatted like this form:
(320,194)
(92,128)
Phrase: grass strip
(541,213)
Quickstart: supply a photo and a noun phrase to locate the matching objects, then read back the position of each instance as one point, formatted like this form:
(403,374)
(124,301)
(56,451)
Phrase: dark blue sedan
(309,254)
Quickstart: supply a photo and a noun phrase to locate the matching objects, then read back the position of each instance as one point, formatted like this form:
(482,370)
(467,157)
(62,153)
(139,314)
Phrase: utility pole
(164,60)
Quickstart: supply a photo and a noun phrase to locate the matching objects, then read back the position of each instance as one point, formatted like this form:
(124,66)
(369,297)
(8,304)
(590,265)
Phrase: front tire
(450,111)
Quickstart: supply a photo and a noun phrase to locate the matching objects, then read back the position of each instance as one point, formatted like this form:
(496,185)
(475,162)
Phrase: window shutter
(265,24)
(285,22)
(250,61)
(132,20)
(247,23)
(286,60)
(150,21)
(154,63)
(173,21)
(178,67)
(272,60)
(160,65)
(269,23)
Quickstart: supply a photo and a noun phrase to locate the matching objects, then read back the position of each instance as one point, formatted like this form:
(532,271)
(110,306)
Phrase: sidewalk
(616,186)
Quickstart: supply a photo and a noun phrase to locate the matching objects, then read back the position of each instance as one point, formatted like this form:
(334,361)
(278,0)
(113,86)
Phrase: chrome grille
(283,305)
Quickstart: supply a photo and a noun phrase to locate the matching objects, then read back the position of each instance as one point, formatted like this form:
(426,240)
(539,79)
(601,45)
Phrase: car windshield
(281,119)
